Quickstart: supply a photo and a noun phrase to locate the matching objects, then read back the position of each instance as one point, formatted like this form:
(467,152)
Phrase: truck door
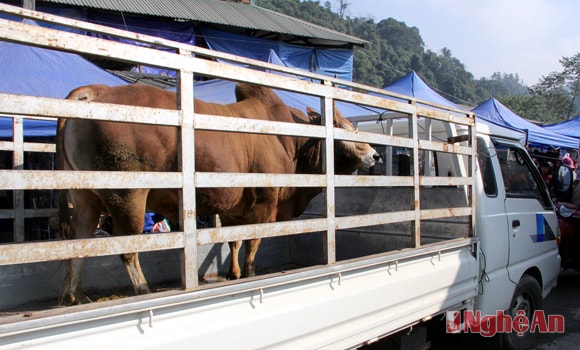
(532,223)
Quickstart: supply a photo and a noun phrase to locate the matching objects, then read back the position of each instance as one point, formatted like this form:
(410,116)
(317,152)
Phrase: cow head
(348,155)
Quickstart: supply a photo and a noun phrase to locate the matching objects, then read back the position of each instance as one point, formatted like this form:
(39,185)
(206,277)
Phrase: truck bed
(304,307)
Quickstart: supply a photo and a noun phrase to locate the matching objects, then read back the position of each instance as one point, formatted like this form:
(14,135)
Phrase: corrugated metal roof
(220,12)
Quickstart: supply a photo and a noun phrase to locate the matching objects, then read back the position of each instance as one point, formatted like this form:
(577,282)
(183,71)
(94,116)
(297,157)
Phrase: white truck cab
(517,229)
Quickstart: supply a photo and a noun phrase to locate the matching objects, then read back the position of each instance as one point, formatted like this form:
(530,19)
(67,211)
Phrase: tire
(527,297)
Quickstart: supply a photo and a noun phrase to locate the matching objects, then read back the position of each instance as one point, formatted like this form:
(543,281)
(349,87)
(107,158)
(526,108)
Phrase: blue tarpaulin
(494,111)
(330,62)
(569,127)
(42,72)
(412,85)
(222,91)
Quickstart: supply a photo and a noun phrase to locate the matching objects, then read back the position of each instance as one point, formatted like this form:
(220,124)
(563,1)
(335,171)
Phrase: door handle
(515,223)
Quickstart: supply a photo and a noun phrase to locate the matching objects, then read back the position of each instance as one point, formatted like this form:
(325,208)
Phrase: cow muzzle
(371,158)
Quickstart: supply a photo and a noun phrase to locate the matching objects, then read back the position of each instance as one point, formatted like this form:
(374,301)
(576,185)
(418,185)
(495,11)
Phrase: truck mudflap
(341,305)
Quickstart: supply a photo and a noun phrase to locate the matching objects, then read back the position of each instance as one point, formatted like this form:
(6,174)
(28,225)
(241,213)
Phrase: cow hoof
(142,290)
(69,299)
(249,274)
(232,276)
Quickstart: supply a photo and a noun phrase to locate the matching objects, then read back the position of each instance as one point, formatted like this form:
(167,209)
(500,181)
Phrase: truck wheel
(528,298)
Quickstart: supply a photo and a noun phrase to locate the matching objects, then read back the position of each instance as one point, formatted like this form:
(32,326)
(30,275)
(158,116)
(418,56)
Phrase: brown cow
(101,145)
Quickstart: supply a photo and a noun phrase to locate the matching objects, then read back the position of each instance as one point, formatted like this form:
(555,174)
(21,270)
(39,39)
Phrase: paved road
(564,300)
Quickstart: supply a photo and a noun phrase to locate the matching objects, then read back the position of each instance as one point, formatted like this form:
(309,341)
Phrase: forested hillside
(394,49)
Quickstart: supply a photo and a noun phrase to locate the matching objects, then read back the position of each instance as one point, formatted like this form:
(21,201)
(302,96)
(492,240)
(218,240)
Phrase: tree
(533,107)
(394,49)
(561,89)
(342,6)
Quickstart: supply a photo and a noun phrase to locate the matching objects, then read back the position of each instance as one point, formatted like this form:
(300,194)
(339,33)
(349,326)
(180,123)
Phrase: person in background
(546,171)
(562,182)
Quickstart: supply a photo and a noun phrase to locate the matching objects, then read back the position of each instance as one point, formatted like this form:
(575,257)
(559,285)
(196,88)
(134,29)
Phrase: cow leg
(133,267)
(252,246)
(235,271)
(127,209)
(85,218)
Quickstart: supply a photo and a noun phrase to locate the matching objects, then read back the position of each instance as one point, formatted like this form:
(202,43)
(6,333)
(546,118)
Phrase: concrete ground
(564,300)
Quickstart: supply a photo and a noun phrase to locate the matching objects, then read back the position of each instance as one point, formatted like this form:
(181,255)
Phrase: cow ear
(314,116)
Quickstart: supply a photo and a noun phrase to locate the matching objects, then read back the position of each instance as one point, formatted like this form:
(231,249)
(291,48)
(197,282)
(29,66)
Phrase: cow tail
(64,219)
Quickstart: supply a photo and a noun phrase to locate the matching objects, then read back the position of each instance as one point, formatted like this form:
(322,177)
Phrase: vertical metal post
(416,225)
(329,239)
(29,4)
(389,150)
(18,164)
(473,161)
(427,155)
(187,158)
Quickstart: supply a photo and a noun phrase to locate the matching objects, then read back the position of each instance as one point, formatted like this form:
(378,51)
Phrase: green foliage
(529,106)
(394,49)
(561,90)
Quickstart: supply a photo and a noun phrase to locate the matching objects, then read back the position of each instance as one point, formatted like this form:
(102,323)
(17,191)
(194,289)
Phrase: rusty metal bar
(329,195)
(227,234)
(20,253)
(29,147)
(45,179)
(372,181)
(445,181)
(427,214)
(444,147)
(187,215)
(416,223)
(54,107)
(18,164)
(258,180)
(220,123)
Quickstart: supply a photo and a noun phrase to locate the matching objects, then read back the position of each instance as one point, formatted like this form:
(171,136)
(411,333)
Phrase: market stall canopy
(494,111)
(42,72)
(569,127)
(412,85)
(34,71)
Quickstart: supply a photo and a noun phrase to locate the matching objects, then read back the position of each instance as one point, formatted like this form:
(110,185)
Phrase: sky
(527,37)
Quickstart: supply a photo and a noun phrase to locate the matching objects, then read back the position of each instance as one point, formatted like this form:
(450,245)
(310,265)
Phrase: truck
(455,220)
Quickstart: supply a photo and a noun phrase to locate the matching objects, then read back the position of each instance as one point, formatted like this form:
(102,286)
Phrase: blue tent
(493,111)
(569,127)
(412,85)
(42,72)
(222,91)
